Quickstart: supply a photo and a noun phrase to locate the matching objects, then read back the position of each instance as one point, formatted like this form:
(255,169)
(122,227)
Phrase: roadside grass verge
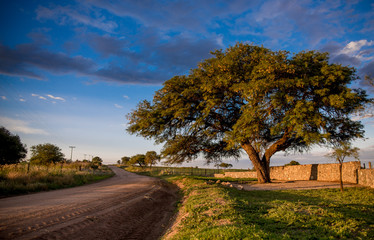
(20,178)
(212,211)
(173,171)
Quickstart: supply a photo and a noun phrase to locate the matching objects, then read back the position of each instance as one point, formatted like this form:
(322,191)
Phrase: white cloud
(354,47)
(48,95)
(38,96)
(56,98)
(118,106)
(3,97)
(22,100)
(20,126)
(126,97)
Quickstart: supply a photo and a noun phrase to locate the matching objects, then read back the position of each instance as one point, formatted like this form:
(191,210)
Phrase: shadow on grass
(307,214)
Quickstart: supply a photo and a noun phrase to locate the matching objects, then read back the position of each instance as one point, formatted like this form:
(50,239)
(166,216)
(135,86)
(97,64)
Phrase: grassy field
(22,178)
(185,171)
(212,211)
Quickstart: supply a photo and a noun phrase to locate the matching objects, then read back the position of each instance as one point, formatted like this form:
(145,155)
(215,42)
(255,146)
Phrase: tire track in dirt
(127,206)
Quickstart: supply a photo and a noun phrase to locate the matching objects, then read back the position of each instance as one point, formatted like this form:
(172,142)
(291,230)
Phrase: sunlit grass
(171,171)
(212,211)
(24,178)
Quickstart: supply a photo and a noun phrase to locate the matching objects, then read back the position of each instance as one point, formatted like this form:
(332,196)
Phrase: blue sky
(70,71)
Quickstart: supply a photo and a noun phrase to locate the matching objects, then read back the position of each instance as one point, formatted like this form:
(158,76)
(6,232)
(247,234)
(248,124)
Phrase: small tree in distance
(125,160)
(138,159)
(151,158)
(45,154)
(339,153)
(292,163)
(97,160)
(225,165)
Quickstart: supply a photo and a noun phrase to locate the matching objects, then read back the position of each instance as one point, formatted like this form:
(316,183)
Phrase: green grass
(21,179)
(212,211)
(172,171)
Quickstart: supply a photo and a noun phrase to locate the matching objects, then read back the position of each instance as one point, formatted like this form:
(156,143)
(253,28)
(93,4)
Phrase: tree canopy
(125,160)
(11,148)
(339,152)
(138,159)
(225,165)
(252,98)
(45,154)
(292,163)
(151,158)
(97,161)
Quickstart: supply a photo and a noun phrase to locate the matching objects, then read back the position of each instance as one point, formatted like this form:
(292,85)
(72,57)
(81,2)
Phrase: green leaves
(45,154)
(251,95)
(12,150)
(342,150)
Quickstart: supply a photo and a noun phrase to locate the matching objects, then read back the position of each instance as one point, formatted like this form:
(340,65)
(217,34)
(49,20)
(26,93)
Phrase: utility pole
(71,156)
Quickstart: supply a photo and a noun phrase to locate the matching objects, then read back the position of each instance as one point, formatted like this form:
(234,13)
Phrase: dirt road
(126,206)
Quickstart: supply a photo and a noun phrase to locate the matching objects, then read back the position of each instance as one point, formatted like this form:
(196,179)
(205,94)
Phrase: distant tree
(151,158)
(45,154)
(125,160)
(339,152)
(11,148)
(138,159)
(292,163)
(253,99)
(118,161)
(225,165)
(97,161)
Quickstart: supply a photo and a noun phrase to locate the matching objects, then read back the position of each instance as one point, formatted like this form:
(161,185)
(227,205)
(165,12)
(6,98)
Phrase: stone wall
(295,172)
(366,177)
(330,172)
(352,173)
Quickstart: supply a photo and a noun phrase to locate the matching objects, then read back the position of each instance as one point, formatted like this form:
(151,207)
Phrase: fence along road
(126,206)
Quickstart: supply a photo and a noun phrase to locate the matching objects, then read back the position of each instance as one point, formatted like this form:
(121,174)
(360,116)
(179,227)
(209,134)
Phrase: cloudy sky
(70,71)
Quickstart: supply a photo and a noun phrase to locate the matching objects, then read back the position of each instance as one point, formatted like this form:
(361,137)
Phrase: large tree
(45,154)
(11,148)
(251,98)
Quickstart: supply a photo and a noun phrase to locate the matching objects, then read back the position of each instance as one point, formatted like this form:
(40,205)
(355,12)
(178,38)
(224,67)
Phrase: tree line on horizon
(148,159)
(13,151)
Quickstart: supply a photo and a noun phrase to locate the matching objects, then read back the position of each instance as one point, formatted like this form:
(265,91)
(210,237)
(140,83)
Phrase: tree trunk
(263,172)
(262,165)
(341,176)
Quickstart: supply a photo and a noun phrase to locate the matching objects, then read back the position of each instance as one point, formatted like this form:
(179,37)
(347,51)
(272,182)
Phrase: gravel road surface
(126,206)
